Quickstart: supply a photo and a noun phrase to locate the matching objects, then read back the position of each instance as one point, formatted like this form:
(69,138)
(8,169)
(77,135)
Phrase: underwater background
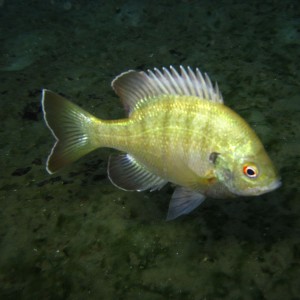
(73,235)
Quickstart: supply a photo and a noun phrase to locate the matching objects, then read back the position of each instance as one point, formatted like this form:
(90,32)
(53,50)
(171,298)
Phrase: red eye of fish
(250,171)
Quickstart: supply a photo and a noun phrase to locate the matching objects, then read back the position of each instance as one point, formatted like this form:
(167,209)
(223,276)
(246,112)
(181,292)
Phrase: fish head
(247,175)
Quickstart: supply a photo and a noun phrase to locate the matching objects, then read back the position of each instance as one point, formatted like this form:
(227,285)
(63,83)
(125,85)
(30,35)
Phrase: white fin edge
(126,173)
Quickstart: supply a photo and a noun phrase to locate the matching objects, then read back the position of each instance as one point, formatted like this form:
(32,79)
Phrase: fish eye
(250,170)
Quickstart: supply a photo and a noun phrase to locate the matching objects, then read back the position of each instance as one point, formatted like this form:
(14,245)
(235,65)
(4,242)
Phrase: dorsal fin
(133,86)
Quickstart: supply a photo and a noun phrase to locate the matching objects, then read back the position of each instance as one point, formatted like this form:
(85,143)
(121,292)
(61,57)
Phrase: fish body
(178,130)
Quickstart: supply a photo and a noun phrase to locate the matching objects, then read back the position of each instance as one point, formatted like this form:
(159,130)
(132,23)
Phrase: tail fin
(71,126)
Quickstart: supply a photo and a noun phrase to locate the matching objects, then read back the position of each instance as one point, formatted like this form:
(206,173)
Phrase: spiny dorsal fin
(133,87)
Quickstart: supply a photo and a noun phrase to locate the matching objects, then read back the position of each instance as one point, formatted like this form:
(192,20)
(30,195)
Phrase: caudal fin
(71,126)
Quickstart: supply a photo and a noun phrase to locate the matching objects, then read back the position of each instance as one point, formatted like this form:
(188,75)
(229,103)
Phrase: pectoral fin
(183,202)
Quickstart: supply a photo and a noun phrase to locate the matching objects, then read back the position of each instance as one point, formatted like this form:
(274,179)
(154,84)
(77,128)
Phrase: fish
(177,130)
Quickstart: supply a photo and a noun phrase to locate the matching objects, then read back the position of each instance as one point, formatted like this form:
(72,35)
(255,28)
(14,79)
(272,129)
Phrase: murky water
(73,235)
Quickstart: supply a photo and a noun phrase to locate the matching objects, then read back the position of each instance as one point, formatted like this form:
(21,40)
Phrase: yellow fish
(177,130)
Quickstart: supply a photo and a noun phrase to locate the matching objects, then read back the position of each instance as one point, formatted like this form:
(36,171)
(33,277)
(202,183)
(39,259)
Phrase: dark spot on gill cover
(213,157)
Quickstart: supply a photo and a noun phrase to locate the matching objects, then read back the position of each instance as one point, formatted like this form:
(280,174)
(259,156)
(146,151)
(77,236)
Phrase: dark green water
(73,235)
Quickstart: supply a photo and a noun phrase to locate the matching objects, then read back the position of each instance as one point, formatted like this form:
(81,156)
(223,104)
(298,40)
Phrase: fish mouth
(261,190)
(273,186)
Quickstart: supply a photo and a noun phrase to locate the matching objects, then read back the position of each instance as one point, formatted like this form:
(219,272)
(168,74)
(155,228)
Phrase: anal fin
(126,173)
